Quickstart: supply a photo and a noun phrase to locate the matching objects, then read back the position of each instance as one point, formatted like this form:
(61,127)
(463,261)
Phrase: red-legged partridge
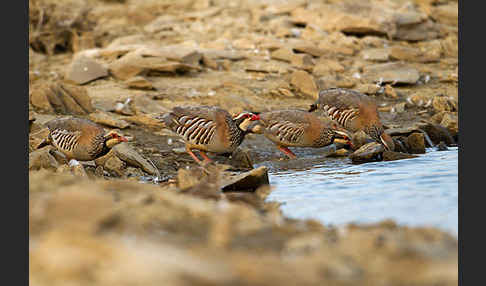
(354,111)
(297,128)
(81,139)
(208,129)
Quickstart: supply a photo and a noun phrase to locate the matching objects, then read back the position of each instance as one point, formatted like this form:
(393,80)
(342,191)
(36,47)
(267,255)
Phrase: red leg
(188,150)
(206,158)
(287,152)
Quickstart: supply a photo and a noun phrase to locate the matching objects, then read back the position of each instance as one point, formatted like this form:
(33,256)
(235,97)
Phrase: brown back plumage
(77,138)
(354,111)
(297,128)
(205,128)
(351,109)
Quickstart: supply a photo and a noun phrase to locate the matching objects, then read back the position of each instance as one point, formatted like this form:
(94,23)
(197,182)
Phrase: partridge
(297,128)
(354,111)
(80,139)
(208,129)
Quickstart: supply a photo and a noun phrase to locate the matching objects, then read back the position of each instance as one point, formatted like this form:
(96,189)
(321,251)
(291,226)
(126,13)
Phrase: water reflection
(419,192)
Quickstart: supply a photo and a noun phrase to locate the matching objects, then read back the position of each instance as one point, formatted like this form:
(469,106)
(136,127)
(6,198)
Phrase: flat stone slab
(83,70)
(248,181)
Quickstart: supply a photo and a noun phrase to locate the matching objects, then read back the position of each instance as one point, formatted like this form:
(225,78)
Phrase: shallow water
(416,192)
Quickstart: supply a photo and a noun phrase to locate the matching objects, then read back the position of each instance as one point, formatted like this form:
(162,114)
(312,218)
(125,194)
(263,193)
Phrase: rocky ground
(146,214)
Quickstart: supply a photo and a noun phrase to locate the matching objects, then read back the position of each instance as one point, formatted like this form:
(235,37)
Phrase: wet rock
(376,55)
(107,119)
(437,133)
(304,83)
(400,144)
(450,121)
(139,82)
(391,73)
(338,144)
(131,157)
(83,70)
(442,146)
(404,132)
(416,143)
(62,98)
(360,138)
(42,159)
(392,156)
(367,153)
(339,153)
(248,181)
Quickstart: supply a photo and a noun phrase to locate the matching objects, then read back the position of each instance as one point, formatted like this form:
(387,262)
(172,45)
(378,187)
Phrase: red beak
(123,139)
(255,117)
